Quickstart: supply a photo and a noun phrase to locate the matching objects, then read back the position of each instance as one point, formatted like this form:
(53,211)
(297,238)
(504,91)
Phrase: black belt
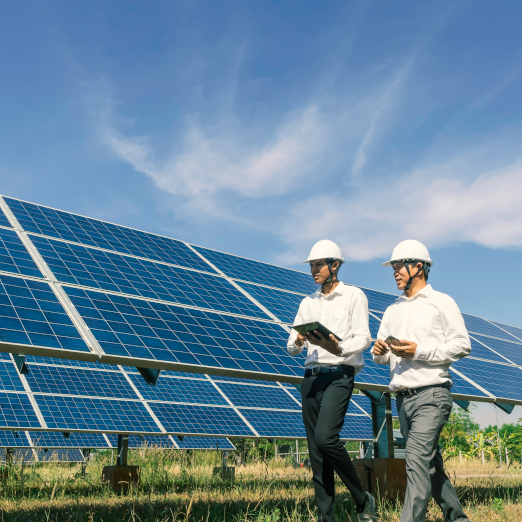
(410,392)
(328,369)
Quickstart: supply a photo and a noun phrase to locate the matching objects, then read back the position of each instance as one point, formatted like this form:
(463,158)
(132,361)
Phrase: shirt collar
(339,289)
(425,292)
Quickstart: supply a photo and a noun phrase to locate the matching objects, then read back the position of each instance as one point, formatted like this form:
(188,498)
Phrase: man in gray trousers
(427,334)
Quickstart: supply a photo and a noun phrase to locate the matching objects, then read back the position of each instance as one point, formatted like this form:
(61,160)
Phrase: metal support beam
(508,408)
(19,361)
(123,450)
(150,375)
(463,404)
(380,425)
(389,425)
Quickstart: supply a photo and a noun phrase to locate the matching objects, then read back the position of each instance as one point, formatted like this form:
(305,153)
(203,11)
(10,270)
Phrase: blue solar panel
(276,423)
(60,455)
(26,455)
(144,441)
(357,427)
(204,420)
(59,224)
(481,326)
(262,273)
(220,378)
(14,257)
(76,381)
(379,300)
(503,381)
(104,415)
(179,390)
(17,412)
(283,305)
(127,327)
(52,439)
(373,373)
(510,350)
(69,362)
(4,222)
(8,439)
(481,352)
(210,443)
(513,330)
(9,377)
(31,314)
(375,324)
(93,268)
(247,395)
(364,403)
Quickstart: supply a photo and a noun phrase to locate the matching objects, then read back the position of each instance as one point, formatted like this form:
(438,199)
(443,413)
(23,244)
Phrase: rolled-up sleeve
(359,337)
(457,343)
(292,348)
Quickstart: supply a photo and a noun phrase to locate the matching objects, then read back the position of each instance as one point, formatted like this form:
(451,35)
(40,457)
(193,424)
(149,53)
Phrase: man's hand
(300,339)
(330,345)
(406,351)
(380,347)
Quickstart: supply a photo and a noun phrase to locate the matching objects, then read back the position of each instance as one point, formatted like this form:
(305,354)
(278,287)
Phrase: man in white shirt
(330,368)
(432,335)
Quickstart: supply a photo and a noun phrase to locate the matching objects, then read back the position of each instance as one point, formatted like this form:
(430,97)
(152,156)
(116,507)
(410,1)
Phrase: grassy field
(179,486)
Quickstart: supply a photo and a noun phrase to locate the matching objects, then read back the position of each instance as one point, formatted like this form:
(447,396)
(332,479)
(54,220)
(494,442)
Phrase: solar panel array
(79,288)
(90,401)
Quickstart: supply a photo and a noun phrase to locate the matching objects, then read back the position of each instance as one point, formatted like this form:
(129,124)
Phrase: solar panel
(93,268)
(262,273)
(210,443)
(4,222)
(276,424)
(487,375)
(9,440)
(144,441)
(30,314)
(90,414)
(357,428)
(14,257)
(20,455)
(243,395)
(283,305)
(71,227)
(51,439)
(373,373)
(379,300)
(480,351)
(135,328)
(513,330)
(374,324)
(17,412)
(181,419)
(9,377)
(510,350)
(60,455)
(481,326)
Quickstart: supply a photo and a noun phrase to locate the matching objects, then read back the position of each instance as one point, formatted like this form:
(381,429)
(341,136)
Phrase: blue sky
(257,128)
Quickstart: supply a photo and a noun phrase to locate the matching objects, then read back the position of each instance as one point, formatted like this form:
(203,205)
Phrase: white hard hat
(409,249)
(325,249)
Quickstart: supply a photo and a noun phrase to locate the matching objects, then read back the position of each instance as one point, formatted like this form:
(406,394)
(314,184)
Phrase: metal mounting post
(180,438)
(19,361)
(508,408)
(123,450)
(381,423)
(150,375)
(463,404)
(66,434)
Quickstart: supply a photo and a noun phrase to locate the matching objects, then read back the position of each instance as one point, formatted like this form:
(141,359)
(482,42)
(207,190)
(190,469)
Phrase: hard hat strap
(425,268)
(332,274)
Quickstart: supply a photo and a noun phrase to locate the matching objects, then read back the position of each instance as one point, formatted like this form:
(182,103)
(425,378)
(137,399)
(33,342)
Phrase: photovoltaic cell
(481,326)
(283,305)
(137,328)
(262,273)
(480,351)
(510,350)
(9,377)
(144,441)
(93,268)
(8,439)
(103,415)
(20,455)
(379,300)
(205,420)
(60,455)
(4,222)
(375,324)
(373,373)
(276,424)
(31,314)
(76,381)
(244,395)
(53,439)
(513,330)
(488,376)
(59,224)
(179,390)
(357,427)
(14,257)
(210,443)
(17,412)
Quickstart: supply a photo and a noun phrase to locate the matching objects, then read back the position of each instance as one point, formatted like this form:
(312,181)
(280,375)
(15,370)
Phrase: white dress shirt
(345,313)
(433,321)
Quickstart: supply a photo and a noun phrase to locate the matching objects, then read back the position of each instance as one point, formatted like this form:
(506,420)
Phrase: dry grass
(183,489)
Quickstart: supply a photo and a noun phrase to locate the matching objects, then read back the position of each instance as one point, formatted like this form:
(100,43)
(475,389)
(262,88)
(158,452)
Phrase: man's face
(319,270)
(401,273)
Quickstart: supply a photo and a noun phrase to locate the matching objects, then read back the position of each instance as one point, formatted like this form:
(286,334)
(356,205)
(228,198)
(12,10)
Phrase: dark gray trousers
(422,418)
(325,399)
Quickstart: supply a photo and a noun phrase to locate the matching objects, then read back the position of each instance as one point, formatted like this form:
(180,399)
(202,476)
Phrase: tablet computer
(311,327)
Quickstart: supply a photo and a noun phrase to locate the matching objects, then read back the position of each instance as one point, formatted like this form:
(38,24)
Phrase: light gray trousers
(422,418)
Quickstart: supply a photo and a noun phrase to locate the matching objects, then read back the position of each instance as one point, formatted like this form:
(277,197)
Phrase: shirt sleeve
(359,337)
(292,348)
(457,343)
(382,359)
